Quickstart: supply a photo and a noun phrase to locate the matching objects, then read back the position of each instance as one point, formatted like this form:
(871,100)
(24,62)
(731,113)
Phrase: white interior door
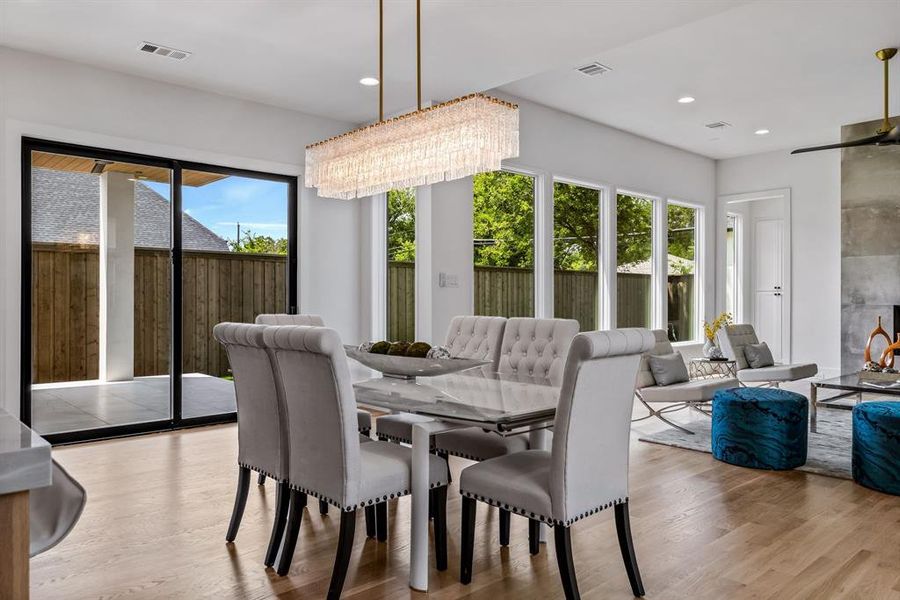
(768,280)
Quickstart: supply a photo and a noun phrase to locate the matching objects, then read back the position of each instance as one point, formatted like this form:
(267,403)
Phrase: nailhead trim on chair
(258,470)
(364,503)
(542,518)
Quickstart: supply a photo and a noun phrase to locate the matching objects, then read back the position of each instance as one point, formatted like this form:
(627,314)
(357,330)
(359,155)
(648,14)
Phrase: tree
(250,243)
(503,219)
(401,225)
(634,220)
(575,221)
(681,236)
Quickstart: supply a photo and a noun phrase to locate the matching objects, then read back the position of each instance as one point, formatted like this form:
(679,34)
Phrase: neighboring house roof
(677,266)
(66,209)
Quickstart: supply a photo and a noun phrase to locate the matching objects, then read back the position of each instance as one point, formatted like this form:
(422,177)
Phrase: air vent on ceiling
(157,49)
(718,125)
(593,68)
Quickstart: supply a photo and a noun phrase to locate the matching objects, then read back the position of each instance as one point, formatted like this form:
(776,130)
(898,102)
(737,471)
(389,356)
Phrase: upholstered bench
(760,428)
(876,446)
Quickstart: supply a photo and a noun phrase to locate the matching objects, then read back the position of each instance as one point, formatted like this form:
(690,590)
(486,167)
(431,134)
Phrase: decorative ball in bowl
(405,360)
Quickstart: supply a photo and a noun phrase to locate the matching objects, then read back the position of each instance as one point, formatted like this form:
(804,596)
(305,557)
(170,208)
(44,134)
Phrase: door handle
(777,287)
(777,293)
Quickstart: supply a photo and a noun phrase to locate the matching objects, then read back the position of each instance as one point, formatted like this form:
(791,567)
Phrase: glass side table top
(704,368)
(852,382)
(478,396)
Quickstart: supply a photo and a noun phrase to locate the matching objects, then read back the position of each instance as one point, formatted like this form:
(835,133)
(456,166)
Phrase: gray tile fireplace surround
(870,241)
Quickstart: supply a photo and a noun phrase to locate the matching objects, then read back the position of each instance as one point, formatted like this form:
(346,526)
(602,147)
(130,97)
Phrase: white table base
(418,546)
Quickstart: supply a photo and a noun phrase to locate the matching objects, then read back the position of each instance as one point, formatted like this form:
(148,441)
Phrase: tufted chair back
(661,346)
(536,347)
(311,365)
(475,337)
(589,461)
(733,339)
(283,319)
(262,430)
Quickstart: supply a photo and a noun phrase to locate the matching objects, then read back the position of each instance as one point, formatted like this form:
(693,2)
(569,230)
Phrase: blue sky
(260,206)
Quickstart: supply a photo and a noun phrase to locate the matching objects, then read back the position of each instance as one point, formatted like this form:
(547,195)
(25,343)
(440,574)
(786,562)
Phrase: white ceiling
(799,68)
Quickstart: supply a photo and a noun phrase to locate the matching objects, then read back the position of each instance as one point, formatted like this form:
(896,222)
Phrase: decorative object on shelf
(711,348)
(877,332)
(365,346)
(445,141)
(410,367)
(887,357)
(887,134)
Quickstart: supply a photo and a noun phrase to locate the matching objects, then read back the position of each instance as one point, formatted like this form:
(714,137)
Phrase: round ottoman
(760,428)
(876,446)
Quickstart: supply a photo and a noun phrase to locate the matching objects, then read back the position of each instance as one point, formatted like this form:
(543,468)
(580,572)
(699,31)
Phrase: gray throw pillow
(758,355)
(668,368)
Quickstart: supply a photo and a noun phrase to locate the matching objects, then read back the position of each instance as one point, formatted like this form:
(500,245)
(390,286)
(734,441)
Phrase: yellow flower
(711,329)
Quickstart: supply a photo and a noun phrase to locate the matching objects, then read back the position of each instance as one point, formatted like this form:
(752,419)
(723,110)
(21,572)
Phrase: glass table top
(853,382)
(478,396)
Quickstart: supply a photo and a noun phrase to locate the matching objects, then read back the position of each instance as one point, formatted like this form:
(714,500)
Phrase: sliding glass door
(130,261)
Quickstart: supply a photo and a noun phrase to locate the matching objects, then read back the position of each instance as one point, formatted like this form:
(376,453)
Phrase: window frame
(658,254)
(699,266)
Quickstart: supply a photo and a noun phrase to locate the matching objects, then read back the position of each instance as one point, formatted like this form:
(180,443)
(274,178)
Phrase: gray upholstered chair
(586,470)
(262,425)
(675,396)
(363,417)
(327,459)
(735,337)
(467,337)
(54,510)
(529,348)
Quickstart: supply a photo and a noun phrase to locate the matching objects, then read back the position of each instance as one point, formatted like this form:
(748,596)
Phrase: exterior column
(116,277)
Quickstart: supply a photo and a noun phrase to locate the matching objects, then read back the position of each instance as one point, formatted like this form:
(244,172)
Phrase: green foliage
(503,219)
(681,236)
(575,221)
(250,243)
(634,222)
(401,225)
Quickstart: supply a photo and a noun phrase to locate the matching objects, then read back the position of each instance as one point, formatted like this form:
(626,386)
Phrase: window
(503,233)
(401,267)
(732,266)
(681,273)
(634,264)
(575,253)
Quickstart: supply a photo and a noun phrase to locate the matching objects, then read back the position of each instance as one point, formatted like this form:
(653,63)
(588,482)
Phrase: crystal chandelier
(446,141)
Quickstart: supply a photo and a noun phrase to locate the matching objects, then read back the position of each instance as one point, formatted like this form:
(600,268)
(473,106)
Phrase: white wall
(815,183)
(59,100)
(556,143)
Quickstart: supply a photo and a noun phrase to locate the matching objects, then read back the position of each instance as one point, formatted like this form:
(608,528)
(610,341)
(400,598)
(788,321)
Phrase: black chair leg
(370,521)
(440,527)
(381,521)
(323,507)
(467,542)
(282,504)
(240,501)
(563,540)
(534,536)
(261,480)
(298,503)
(446,458)
(623,529)
(342,558)
(504,527)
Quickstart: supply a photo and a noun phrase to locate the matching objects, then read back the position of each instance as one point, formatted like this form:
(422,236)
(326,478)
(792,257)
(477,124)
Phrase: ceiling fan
(887,135)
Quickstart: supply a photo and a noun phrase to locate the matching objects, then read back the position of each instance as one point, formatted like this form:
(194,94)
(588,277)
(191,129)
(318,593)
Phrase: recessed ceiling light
(686,99)
(370,81)
(761,131)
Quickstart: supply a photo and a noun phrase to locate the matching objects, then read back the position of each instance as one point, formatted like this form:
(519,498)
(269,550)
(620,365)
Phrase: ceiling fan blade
(869,141)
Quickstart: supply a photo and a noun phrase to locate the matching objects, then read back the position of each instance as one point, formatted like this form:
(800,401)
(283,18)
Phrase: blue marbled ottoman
(760,428)
(876,446)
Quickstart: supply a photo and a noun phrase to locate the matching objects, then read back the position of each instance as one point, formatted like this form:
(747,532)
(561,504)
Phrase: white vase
(711,350)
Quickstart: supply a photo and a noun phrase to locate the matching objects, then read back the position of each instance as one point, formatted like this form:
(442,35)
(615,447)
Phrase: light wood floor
(159,505)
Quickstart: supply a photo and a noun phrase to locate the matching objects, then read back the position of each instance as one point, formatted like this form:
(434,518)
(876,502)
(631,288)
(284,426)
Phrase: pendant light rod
(419,54)
(380,61)
(885,55)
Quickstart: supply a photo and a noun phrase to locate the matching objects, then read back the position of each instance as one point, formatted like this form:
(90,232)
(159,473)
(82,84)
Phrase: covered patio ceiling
(80,164)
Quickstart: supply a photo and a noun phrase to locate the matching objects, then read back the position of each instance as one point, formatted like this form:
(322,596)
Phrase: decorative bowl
(407,367)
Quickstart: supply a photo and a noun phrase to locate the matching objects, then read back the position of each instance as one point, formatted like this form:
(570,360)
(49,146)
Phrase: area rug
(829,448)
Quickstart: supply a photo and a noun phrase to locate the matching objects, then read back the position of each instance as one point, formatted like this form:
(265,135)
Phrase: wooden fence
(217,286)
(226,286)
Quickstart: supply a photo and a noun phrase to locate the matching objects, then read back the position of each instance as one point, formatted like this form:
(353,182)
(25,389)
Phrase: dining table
(499,403)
